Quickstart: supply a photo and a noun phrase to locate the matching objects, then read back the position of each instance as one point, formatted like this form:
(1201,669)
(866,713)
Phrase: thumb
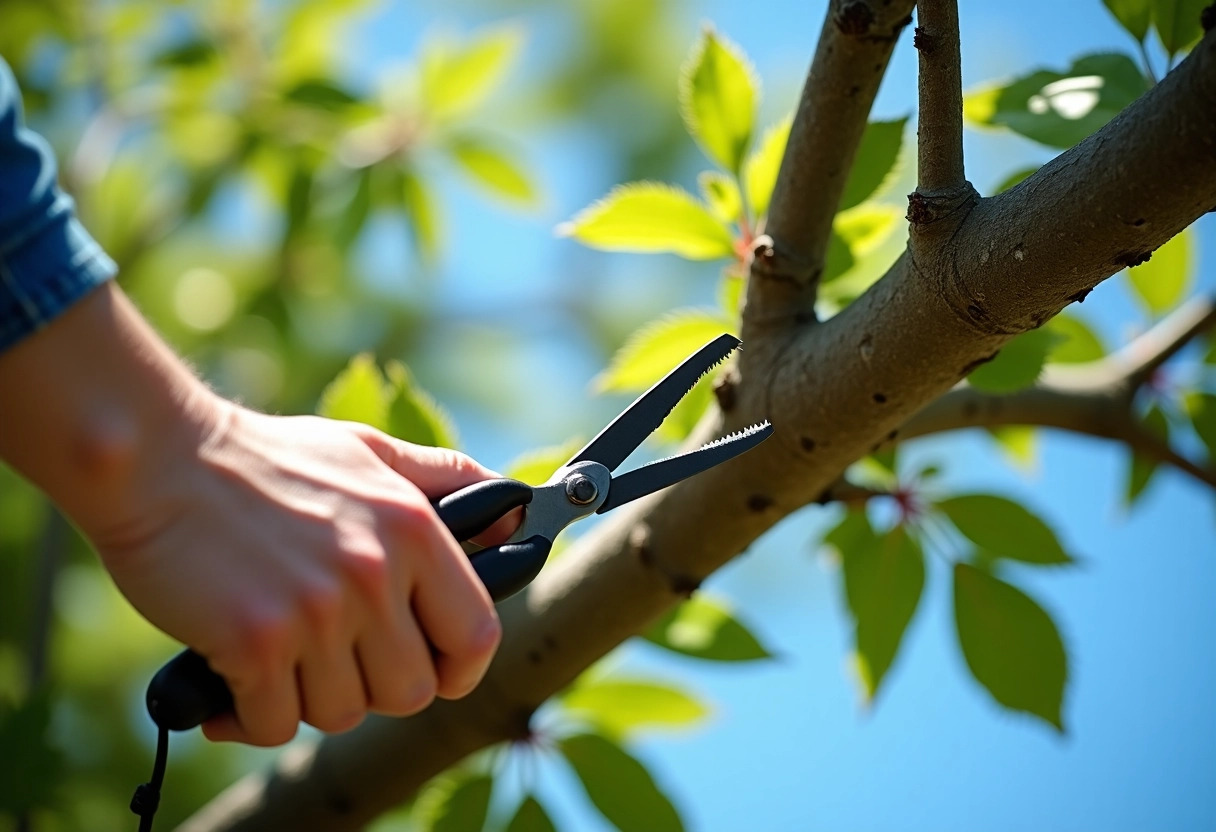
(435,471)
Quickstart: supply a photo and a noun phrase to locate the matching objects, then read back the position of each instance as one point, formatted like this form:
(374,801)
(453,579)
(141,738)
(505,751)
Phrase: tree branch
(939,132)
(1094,399)
(832,391)
(854,48)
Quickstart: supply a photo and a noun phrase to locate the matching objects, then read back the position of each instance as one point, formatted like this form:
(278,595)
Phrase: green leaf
(1078,343)
(705,629)
(1177,23)
(1004,528)
(354,216)
(1166,277)
(730,295)
(722,195)
(1017,365)
(651,217)
(883,580)
(760,172)
(413,415)
(876,157)
(867,226)
(718,98)
(659,346)
(188,54)
(536,466)
(1142,468)
(458,76)
(1015,178)
(357,394)
(622,706)
(687,412)
(1133,15)
(421,213)
(31,769)
(1059,109)
(1019,444)
(530,817)
(492,169)
(1201,407)
(619,786)
(839,259)
(852,534)
(455,804)
(1010,643)
(321,93)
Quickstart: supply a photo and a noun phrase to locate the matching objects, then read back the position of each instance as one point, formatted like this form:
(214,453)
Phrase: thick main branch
(833,391)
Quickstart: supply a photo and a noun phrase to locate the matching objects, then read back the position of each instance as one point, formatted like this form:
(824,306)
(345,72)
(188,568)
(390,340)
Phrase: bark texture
(976,272)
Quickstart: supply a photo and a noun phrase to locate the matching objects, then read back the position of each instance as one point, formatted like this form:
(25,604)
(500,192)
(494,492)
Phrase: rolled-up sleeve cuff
(47,272)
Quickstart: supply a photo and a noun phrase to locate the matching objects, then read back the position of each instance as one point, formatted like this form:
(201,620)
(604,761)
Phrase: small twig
(1094,399)
(849,493)
(940,121)
(850,60)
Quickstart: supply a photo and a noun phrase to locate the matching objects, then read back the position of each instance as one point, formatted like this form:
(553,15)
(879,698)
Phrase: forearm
(93,403)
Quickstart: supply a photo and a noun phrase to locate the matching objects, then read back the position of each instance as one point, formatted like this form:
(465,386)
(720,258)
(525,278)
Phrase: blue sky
(789,746)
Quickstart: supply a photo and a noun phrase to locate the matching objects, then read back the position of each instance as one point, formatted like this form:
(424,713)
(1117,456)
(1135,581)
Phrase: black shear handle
(186,692)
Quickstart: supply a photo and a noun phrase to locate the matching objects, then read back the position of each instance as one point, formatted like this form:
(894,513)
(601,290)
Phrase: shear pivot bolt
(580,490)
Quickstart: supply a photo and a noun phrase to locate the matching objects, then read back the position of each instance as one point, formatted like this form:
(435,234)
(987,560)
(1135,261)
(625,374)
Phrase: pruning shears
(186,692)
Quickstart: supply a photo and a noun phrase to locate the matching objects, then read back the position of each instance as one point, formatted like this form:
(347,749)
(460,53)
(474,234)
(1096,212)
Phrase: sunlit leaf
(530,817)
(1019,444)
(760,172)
(455,804)
(839,259)
(536,466)
(687,412)
(1010,643)
(1059,109)
(1017,365)
(875,161)
(1015,178)
(1141,469)
(1133,15)
(651,217)
(1078,343)
(619,786)
(31,769)
(622,706)
(1004,528)
(413,415)
(358,394)
(718,98)
(1177,23)
(1166,277)
(492,169)
(706,629)
(1201,407)
(459,75)
(722,195)
(883,580)
(867,226)
(730,295)
(659,346)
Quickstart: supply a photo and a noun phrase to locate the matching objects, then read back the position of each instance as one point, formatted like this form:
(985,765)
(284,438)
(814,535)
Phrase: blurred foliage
(238,169)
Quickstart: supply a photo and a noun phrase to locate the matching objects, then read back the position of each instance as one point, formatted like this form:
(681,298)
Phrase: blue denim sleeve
(47,259)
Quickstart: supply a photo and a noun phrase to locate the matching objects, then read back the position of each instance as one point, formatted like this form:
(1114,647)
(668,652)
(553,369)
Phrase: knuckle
(411,698)
(274,734)
(338,722)
(321,606)
(367,571)
(264,639)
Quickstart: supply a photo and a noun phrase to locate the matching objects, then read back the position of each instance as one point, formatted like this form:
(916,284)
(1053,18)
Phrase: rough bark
(976,273)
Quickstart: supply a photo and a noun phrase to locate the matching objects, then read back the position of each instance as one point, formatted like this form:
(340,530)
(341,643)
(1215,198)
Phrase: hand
(302,558)
(299,555)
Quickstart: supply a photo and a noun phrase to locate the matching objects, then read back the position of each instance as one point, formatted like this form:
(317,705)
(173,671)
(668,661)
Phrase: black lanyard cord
(147,795)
